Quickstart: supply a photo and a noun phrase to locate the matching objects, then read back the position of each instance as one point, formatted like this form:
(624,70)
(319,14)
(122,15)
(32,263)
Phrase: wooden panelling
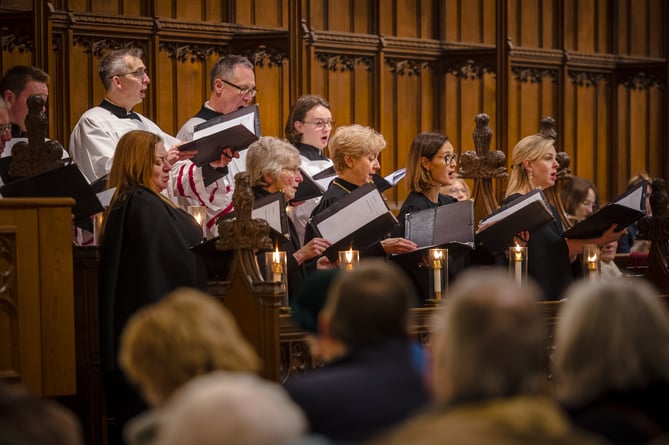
(402,66)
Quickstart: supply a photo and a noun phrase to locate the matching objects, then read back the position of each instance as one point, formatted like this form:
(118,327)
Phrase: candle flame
(349,255)
(517,247)
(438,254)
(276,258)
(592,258)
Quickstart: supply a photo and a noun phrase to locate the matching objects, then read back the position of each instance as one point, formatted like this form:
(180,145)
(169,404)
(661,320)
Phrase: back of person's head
(266,157)
(231,409)
(186,334)
(298,113)
(28,420)
(224,67)
(134,158)
(115,63)
(529,148)
(611,335)
(369,304)
(16,78)
(489,339)
(354,141)
(424,145)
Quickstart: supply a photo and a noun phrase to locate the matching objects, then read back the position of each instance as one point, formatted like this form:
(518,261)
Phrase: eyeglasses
(243,91)
(5,128)
(320,124)
(293,171)
(138,73)
(449,158)
(457,190)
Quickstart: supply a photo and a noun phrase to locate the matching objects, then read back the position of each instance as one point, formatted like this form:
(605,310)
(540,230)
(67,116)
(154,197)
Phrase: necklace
(335,182)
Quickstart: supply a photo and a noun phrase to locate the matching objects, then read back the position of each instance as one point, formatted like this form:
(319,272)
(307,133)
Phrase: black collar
(310,152)
(119,112)
(207,113)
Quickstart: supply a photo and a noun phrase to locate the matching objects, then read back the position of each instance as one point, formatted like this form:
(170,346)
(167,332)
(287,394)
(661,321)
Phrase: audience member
(146,252)
(164,345)
(224,408)
(98,131)
(355,150)
(5,126)
(607,263)
(534,165)
(19,83)
(489,345)
(28,420)
(371,383)
(612,360)
(274,166)
(458,189)
(579,198)
(628,242)
(232,83)
(308,128)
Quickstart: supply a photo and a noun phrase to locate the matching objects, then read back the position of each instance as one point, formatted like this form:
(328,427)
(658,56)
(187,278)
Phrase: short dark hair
(225,65)
(16,78)
(370,304)
(299,111)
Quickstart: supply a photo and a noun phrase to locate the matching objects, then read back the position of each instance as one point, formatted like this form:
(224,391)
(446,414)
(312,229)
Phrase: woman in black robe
(146,243)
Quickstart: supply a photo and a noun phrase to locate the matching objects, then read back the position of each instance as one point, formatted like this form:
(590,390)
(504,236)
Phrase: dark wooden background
(599,67)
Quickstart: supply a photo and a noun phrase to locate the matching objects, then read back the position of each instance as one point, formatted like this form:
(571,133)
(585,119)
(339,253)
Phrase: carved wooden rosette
(483,165)
(547,129)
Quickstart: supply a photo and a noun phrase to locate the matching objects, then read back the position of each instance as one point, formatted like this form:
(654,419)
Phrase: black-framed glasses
(320,124)
(449,158)
(5,128)
(243,91)
(138,73)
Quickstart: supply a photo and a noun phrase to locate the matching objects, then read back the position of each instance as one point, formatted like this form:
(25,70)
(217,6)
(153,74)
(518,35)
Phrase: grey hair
(115,63)
(268,156)
(224,67)
(611,335)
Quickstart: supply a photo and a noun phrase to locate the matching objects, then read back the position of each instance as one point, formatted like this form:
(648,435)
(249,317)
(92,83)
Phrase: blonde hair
(489,340)
(186,334)
(354,141)
(611,335)
(268,156)
(529,148)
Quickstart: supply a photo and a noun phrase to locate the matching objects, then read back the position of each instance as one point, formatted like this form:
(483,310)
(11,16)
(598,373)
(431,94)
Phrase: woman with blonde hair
(534,166)
(612,360)
(146,253)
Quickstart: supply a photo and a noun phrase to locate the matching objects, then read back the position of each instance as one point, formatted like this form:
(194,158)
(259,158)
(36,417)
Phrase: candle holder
(199,213)
(518,264)
(349,259)
(276,271)
(591,262)
(438,273)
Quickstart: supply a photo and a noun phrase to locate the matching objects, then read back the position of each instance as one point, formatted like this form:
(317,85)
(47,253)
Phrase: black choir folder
(525,213)
(449,226)
(311,187)
(626,209)
(382,183)
(236,130)
(357,220)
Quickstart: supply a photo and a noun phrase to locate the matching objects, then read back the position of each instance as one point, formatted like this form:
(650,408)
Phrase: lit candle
(277,266)
(348,259)
(592,267)
(198,213)
(591,261)
(518,263)
(436,271)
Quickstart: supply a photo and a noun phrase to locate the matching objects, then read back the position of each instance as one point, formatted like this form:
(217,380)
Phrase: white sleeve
(92,148)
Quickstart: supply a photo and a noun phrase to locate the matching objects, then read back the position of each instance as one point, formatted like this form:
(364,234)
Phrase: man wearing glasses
(233,86)
(5,126)
(94,138)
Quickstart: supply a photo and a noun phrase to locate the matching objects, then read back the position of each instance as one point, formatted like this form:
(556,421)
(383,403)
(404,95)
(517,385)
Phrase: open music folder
(626,209)
(310,187)
(236,130)
(525,213)
(357,220)
(272,208)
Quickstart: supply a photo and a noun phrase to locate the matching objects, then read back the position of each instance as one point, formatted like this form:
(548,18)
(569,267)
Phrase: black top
(548,256)
(361,394)
(416,202)
(310,152)
(337,189)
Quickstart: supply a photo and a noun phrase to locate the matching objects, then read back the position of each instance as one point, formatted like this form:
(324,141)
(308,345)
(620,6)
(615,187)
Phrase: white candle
(518,264)
(436,271)
(277,267)
(592,268)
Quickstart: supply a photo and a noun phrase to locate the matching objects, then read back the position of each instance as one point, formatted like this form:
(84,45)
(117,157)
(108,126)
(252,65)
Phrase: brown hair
(299,111)
(424,145)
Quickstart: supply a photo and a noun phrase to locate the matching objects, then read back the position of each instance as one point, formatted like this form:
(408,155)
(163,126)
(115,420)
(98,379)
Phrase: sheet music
(247,120)
(396,176)
(352,217)
(105,196)
(271,213)
(633,200)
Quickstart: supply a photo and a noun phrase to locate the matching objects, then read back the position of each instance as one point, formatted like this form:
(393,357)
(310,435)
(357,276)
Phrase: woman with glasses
(146,253)
(534,165)
(308,128)
(355,150)
(274,166)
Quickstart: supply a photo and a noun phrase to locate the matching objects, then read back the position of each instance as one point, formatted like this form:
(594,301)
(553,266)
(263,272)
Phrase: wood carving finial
(243,232)
(38,155)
